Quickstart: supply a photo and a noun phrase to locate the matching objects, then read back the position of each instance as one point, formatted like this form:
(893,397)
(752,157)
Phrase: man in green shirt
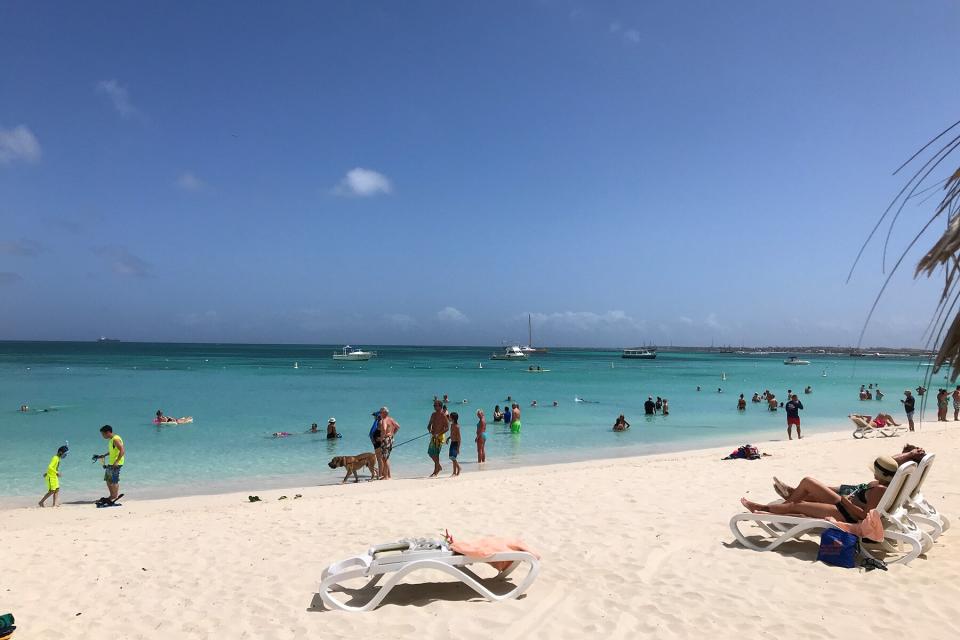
(114,458)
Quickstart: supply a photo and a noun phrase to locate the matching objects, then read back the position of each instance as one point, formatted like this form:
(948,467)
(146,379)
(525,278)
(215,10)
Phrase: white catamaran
(529,348)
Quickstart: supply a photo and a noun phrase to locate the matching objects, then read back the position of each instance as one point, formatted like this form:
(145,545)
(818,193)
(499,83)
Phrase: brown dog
(354,463)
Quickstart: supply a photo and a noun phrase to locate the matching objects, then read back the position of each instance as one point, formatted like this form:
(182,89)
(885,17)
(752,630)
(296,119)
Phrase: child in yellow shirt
(52,475)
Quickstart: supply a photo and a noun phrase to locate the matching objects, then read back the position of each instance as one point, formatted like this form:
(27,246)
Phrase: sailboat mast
(529,331)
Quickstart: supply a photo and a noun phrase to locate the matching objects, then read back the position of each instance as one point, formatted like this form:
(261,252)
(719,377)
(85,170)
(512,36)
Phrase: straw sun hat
(884,468)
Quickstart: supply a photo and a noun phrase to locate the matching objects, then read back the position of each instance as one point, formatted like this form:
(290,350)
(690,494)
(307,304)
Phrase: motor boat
(794,360)
(639,353)
(349,353)
(510,353)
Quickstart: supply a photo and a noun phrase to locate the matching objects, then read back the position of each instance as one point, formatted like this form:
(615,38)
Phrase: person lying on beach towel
(814,499)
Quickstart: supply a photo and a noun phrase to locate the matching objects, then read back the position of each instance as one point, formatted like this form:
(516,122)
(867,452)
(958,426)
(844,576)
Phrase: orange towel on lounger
(871,528)
(486,547)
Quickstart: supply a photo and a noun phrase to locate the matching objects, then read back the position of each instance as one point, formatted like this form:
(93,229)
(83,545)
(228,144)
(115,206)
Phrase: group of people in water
(510,415)
(770,399)
(660,406)
(869,392)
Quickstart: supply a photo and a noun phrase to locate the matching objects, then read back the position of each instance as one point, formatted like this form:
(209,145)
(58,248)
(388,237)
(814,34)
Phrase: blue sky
(431,172)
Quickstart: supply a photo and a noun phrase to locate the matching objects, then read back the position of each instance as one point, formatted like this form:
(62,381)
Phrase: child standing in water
(52,476)
(455,442)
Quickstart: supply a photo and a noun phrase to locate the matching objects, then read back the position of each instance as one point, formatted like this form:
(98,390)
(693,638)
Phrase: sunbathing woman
(882,420)
(814,499)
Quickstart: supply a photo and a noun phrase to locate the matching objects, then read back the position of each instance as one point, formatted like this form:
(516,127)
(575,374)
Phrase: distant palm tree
(943,333)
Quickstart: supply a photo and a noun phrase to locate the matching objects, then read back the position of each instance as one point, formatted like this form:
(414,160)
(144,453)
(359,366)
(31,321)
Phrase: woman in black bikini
(814,499)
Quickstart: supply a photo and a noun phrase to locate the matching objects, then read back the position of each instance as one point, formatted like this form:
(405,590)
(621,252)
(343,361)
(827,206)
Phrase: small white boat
(794,360)
(639,353)
(349,353)
(296,365)
(510,353)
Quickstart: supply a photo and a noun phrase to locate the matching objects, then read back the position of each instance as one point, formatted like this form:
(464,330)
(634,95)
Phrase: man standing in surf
(438,425)
(793,407)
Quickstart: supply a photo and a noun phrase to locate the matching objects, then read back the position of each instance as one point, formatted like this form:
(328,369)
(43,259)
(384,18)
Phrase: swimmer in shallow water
(281,434)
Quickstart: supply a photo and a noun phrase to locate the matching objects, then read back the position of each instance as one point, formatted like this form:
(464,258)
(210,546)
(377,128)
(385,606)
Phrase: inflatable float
(183,420)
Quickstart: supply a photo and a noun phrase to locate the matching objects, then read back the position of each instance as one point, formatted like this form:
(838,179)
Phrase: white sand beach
(630,547)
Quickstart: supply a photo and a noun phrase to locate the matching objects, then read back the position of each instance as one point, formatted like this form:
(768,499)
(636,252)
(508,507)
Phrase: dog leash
(411,440)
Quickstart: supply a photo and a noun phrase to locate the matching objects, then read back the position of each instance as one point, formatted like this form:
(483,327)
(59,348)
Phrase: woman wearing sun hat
(847,503)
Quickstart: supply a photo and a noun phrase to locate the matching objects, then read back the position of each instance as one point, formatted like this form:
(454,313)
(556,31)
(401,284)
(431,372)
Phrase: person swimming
(281,434)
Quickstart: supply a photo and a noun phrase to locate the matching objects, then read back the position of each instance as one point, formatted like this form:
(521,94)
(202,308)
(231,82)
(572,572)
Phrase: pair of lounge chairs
(866,430)
(406,556)
(911,524)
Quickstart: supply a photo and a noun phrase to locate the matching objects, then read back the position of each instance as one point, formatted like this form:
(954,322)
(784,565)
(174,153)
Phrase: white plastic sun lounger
(865,430)
(919,508)
(899,530)
(406,556)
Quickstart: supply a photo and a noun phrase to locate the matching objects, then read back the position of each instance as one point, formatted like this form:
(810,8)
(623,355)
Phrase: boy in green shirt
(52,476)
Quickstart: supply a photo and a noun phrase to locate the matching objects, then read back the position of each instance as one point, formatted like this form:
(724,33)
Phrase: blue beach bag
(838,548)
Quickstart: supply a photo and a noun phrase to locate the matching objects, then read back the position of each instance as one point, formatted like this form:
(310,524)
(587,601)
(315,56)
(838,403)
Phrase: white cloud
(21,248)
(363,183)
(197,319)
(614,27)
(19,145)
(711,321)
(631,36)
(685,320)
(123,262)
(189,182)
(119,96)
(401,320)
(451,314)
(587,320)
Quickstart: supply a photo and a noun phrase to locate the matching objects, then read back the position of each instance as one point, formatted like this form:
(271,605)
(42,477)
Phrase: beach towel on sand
(485,547)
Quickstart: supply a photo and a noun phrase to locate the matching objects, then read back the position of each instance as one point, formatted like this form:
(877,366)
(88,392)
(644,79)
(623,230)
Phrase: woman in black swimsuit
(814,499)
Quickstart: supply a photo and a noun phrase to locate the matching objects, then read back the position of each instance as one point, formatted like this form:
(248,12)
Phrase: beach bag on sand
(746,452)
(838,548)
(6,626)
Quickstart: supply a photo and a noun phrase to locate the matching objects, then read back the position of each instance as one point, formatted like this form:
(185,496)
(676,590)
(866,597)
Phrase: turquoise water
(239,394)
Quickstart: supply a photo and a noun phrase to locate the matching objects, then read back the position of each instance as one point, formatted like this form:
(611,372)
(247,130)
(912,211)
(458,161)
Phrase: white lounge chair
(406,556)
(898,528)
(865,430)
(919,509)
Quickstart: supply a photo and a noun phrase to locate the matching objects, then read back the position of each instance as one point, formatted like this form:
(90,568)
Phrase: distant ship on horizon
(106,339)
